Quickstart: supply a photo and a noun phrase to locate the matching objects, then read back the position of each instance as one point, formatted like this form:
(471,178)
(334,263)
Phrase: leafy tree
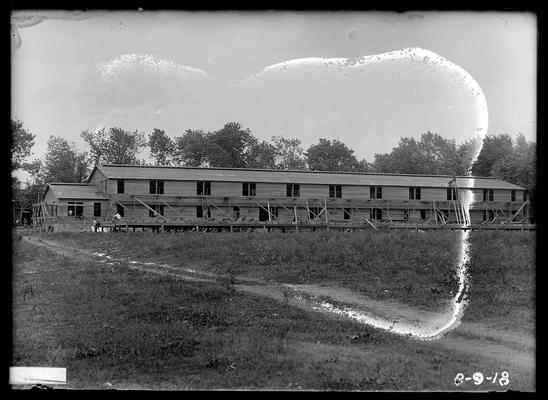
(465,154)
(262,155)
(63,163)
(230,146)
(519,165)
(33,168)
(25,196)
(494,148)
(115,146)
(21,143)
(364,166)
(432,154)
(439,155)
(405,158)
(191,149)
(161,147)
(289,153)
(331,155)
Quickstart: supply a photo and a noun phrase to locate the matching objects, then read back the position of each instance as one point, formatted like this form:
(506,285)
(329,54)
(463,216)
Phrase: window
(513,195)
(335,191)
(75,209)
(525,195)
(120,186)
(203,188)
(375,213)
(293,190)
(423,214)
(96,209)
(451,193)
(248,189)
(120,210)
(414,193)
(159,208)
(200,212)
(488,194)
(375,192)
(347,213)
(235,212)
(156,187)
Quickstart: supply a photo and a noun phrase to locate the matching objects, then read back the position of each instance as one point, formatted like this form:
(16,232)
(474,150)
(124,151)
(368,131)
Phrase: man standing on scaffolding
(116,219)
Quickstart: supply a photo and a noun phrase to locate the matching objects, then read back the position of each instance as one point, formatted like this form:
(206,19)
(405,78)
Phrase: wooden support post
(370,223)
(317,216)
(388,211)
(518,211)
(326,216)
(171,208)
(266,209)
(284,207)
(156,213)
(108,212)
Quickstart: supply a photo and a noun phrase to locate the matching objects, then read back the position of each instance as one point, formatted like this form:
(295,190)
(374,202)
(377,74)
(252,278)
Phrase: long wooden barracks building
(147,196)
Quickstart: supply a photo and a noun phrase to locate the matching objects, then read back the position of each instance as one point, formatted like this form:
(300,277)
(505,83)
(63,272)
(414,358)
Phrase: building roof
(301,177)
(75,191)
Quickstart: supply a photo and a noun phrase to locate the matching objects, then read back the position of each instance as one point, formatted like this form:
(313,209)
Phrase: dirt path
(507,348)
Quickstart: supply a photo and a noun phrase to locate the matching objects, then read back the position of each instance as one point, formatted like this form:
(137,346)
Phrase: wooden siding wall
(62,207)
(50,197)
(314,191)
(395,193)
(503,195)
(223,189)
(97,176)
(356,192)
(100,181)
(433,194)
(278,190)
(271,190)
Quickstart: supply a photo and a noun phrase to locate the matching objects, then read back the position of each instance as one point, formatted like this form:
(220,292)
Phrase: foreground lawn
(502,279)
(131,329)
(417,269)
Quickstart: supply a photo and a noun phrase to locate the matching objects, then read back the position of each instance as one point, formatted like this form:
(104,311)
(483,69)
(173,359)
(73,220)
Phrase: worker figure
(117,218)
(96,225)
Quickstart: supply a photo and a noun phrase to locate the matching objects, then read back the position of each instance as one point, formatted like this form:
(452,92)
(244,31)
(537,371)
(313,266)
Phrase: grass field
(122,328)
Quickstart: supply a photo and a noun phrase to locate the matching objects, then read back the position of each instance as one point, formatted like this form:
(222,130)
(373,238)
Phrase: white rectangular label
(43,375)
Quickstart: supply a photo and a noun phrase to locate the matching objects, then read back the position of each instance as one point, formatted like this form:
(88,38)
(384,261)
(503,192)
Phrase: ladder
(462,217)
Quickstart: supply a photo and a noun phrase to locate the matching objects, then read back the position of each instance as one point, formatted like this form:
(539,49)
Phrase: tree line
(234,146)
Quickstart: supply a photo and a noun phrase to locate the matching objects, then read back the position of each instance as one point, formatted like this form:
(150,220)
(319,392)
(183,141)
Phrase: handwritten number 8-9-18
(478,378)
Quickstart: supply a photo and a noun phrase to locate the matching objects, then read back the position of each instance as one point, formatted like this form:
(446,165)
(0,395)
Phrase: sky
(364,78)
